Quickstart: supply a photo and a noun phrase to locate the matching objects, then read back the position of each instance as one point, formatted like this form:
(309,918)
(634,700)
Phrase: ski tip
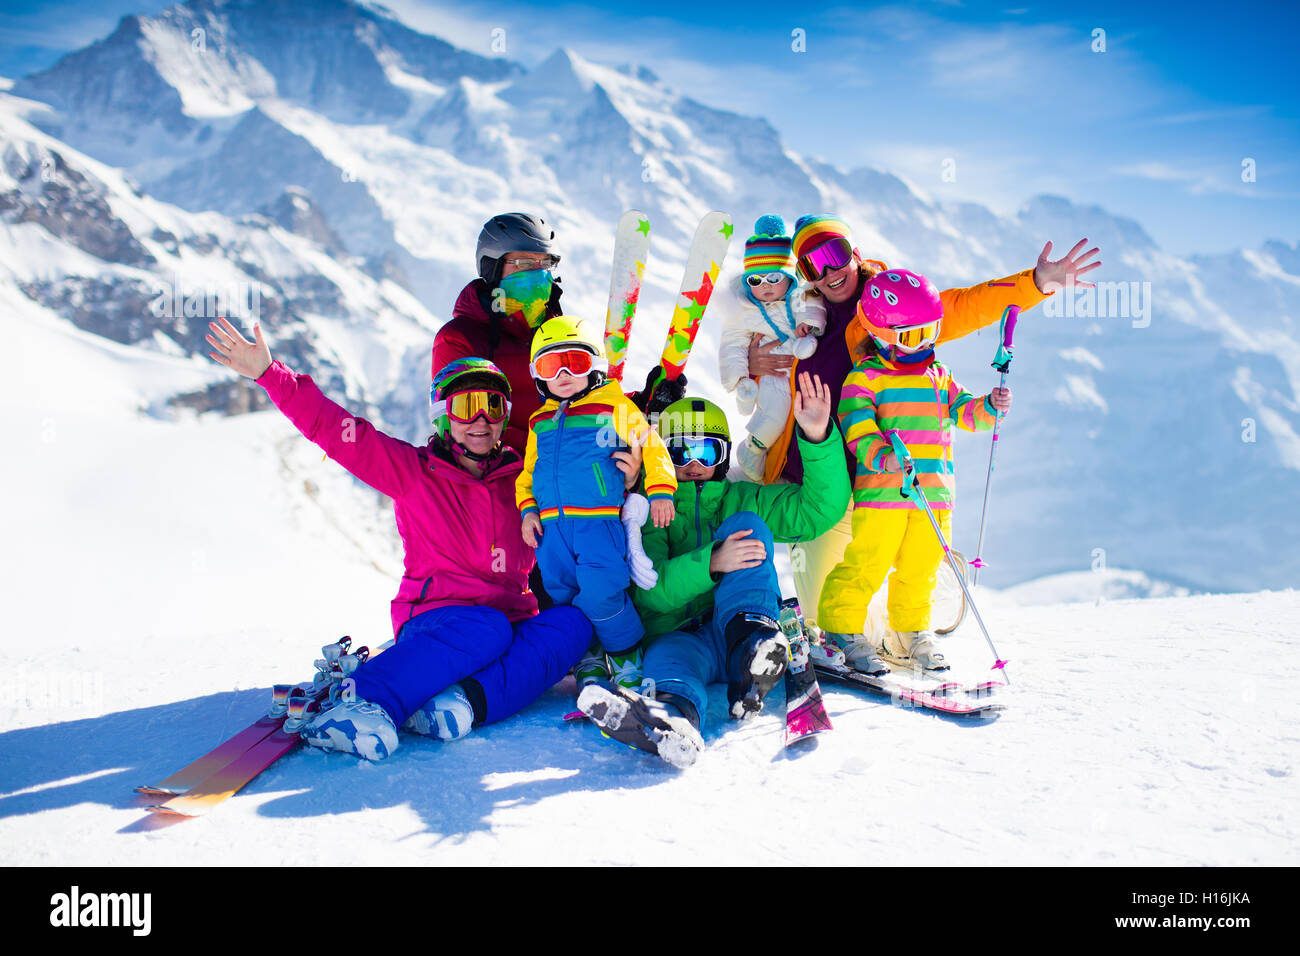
(164,811)
(149,791)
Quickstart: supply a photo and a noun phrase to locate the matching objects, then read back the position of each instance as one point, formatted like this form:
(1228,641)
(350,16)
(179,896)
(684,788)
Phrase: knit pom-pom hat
(769,248)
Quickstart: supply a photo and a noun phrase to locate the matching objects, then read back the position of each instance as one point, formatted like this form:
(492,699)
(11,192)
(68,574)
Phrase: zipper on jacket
(600,479)
(561,417)
(699,537)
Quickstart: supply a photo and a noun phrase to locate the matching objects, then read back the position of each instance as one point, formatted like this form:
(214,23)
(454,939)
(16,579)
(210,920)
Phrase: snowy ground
(159,577)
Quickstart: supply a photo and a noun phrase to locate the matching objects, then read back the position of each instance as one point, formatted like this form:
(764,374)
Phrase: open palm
(1050,275)
(812,406)
(249,359)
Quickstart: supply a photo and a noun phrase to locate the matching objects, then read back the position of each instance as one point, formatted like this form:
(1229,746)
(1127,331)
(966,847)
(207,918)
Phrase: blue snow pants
(584,563)
(685,662)
(512,663)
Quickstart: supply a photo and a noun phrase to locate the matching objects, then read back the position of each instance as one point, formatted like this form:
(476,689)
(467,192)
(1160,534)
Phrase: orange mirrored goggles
(464,407)
(913,338)
(549,365)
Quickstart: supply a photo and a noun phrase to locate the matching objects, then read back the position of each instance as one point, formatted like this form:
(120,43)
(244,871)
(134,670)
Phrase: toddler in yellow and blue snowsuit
(571,490)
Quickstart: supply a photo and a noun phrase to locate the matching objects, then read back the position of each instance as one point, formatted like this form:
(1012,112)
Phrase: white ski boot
(448,716)
(859,653)
(919,647)
(354,727)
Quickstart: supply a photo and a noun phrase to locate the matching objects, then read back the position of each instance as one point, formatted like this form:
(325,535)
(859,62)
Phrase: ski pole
(1001,362)
(911,487)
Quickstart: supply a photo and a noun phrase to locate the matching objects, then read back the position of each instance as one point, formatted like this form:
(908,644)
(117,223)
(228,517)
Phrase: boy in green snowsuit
(712,614)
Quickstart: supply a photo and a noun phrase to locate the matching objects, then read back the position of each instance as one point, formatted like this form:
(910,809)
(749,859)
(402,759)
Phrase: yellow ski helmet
(563,333)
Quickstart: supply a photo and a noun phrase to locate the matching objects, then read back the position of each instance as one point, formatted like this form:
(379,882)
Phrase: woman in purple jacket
(471,646)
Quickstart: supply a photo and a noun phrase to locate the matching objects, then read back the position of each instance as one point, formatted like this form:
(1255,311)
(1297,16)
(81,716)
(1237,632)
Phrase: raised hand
(249,359)
(812,406)
(1050,275)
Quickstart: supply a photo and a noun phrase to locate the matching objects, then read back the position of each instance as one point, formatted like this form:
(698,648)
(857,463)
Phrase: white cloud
(1196,181)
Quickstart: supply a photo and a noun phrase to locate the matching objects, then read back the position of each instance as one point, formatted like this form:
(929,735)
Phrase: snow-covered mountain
(341,164)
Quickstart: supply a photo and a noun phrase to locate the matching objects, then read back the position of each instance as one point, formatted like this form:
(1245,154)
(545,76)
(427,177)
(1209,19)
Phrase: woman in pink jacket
(471,646)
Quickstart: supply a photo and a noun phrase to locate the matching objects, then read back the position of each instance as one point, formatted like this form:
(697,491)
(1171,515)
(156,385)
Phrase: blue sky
(1156,127)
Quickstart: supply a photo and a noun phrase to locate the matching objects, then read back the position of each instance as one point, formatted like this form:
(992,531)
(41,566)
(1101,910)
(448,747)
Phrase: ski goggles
(464,407)
(549,365)
(707,451)
(914,338)
(830,255)
(772,278)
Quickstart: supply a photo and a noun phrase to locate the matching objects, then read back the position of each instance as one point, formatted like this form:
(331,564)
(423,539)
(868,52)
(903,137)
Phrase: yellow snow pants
(901,538)
(811,561)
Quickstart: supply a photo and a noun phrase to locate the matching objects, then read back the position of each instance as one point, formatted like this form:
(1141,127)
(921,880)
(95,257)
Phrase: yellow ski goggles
(914,338)
(464,407)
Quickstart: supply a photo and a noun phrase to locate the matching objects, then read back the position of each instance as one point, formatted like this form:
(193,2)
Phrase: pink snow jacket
(461,534)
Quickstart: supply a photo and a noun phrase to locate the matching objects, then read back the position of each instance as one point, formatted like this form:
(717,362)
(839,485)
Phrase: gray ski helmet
(510,232)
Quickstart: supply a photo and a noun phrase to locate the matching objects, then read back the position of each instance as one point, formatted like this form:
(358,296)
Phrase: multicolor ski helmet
(462,375)
(689,426)
(557,338)
(902,312)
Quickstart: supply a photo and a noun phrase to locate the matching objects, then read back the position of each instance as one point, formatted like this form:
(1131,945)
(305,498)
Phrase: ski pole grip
(1013,313)
(905,460)
(900,449)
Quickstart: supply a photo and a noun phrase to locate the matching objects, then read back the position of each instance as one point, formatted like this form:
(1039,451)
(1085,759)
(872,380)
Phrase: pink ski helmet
(901,310)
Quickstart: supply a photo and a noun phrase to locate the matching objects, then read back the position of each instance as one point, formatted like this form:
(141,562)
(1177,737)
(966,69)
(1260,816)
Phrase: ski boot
(351,725)
(643,723)
(592,669)
(859,653)
(919,647)
(625,668)
(757,653)
(448,716)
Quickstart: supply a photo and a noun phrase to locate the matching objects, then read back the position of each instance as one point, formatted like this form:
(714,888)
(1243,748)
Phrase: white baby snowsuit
(769,397)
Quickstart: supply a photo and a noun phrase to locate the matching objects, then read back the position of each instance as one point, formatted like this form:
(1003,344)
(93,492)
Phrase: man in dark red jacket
(515,255)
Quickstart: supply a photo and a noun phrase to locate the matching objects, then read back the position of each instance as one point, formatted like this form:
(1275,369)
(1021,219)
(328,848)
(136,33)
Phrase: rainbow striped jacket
(568,471)
(923,403)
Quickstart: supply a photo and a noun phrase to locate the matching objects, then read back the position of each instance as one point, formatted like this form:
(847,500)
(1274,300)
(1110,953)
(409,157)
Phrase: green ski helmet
(701,420)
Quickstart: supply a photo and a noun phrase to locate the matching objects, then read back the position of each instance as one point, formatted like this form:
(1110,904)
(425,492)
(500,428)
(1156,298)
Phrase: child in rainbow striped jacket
(900,385)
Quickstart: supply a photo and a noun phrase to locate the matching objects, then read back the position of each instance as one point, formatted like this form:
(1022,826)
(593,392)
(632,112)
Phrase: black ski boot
(757,653)
(642,722)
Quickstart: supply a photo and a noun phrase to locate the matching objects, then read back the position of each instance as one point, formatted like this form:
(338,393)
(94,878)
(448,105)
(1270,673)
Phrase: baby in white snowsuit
(765,299)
